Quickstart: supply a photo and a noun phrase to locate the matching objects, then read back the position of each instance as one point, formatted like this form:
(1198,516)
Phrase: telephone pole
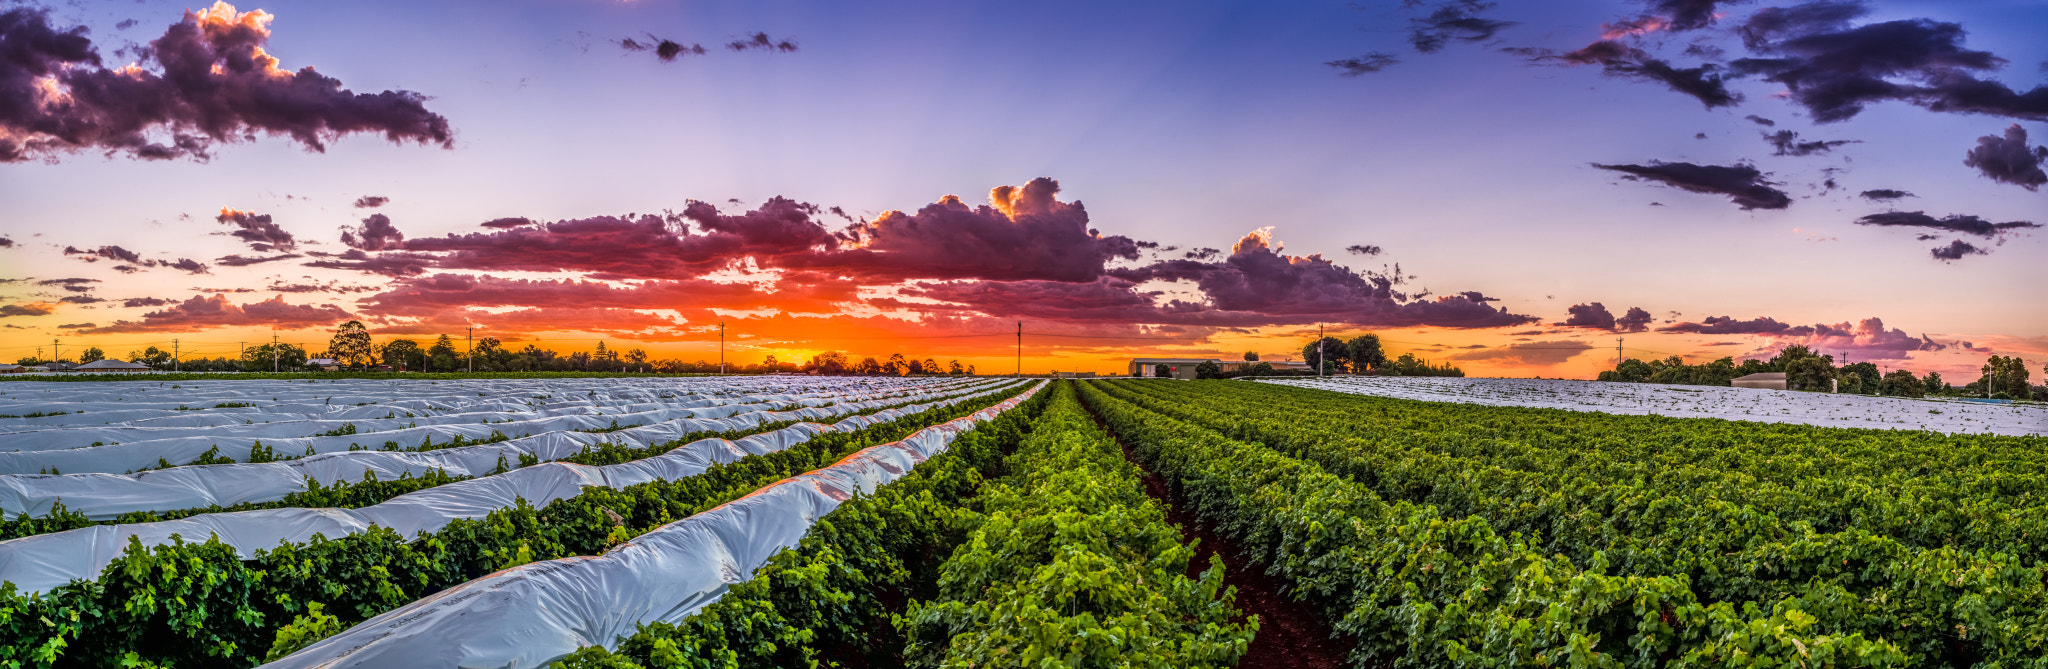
(469,345)
(174,355)
(1020,349)
(273,351)
(1319,350)
(54,355)
(1617,354)
(721,347)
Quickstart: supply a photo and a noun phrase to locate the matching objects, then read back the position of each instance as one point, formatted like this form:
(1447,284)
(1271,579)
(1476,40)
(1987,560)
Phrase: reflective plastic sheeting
(531,615)
(43,562)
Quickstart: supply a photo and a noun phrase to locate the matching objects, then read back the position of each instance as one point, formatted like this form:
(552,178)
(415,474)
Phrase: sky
(1511,188)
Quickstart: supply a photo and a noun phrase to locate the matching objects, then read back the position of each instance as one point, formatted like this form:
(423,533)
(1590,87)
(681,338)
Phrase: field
(1767,406)
(928,522)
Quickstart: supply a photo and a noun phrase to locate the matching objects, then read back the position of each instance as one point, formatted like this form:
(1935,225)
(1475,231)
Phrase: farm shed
(1767,380)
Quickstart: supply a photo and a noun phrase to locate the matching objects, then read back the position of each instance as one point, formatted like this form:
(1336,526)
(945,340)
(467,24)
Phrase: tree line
(2001,377)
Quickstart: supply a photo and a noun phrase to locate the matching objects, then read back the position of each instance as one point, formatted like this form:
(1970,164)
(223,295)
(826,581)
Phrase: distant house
(1766,380)
(11,368)
(111,367)
(55,367)
(327,364)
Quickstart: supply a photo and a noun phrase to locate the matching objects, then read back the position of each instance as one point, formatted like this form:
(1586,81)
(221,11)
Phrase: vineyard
(978,522)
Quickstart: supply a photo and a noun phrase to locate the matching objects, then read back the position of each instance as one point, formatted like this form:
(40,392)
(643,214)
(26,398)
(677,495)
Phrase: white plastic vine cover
(534,614)
(44,562)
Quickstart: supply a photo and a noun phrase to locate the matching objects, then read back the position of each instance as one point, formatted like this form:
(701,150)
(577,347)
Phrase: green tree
(1329,352)
(896,366)
(443,357)
(404,354)
(1804,370)
(91,354)
(867,366)
(351,344)
(1934,384)
(259,358)
(932,366)
(1251,356)
(1208,369)
(954,368)
(1162,371)
(1902,383)
(1365,353)
(1262,369)
(152,356)
(829,362)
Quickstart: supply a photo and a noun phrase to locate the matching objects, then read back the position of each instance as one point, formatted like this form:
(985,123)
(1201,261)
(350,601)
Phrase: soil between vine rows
(1291,635)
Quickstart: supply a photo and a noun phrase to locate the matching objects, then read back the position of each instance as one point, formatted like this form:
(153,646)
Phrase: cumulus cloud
(387,264)
(2008,160)
(1743,184)
(204,312)
(1956,250)
(451,299)
(207,80)
(1961,223)
(1538,353)
(28,309)
(258,230)
(1885,195)
(1455,20)
(109,253)
(376,234)
(1024,233)
(1835,70)
(371,201)
(1596,316)
(1787,144)
(1868,338)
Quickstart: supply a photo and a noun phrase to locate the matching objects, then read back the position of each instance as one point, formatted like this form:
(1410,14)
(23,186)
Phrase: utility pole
(174,355)
(1020,349)
(1617,354)
(54,355)
(273,350)
(721,347)
(469,345)
(1319,350)
(241,360)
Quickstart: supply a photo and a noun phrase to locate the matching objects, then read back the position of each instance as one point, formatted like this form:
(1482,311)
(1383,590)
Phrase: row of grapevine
(189,603)
(1944,605)
(1062,560)
(1415,587)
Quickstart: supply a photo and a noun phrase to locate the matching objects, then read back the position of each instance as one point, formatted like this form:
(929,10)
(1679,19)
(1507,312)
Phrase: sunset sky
(1509,188)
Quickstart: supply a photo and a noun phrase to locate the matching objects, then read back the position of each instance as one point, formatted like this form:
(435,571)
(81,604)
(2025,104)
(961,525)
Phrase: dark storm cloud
(371,201)
(188,265)
(1956,250)
(1703,83)
(110,253)
(1454,20)
(1025,233)
(245,261)
(1787,144)
(387,264)
(204,312)
(1592,315)
(1366,64)
(258,230)
(1960,223)
(2008,160)
(1834,70)
(665,49)
(1596,316)
(1742,183)
(1690,14)
(376,234)
(1636,320)
(207,80)
(1885,195)
(761,42)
